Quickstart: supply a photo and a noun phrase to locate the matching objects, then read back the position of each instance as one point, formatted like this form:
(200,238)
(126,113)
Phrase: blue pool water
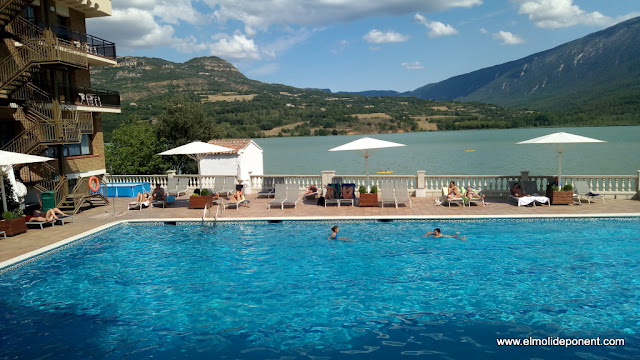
(256,290)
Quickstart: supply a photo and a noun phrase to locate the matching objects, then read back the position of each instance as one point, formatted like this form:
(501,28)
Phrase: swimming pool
(256,290)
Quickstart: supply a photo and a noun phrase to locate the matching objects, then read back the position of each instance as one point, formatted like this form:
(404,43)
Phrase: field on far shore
(227,97)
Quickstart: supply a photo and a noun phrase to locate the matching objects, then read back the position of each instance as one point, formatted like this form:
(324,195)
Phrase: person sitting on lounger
(454,191)
(331,193)
(238,196)
(472,193)
(158,194)
(347,191)
(517,191)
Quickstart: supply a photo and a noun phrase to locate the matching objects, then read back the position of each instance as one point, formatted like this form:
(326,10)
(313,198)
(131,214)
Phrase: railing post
(327,177)
(638,186)
(524,175)
(420,184)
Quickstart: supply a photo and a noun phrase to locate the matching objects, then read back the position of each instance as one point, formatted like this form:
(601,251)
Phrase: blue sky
(354,45)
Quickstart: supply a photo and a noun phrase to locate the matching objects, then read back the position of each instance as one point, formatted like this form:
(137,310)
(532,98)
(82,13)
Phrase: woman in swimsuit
(454,191)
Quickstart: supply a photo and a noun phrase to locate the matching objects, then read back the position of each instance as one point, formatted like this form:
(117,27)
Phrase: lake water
(443,153)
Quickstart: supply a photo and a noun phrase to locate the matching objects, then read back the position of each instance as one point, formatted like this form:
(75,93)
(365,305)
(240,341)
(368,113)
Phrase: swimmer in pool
(334,235)
(436,233)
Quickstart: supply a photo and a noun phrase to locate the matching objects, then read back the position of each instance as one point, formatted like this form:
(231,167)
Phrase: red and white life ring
(94,184)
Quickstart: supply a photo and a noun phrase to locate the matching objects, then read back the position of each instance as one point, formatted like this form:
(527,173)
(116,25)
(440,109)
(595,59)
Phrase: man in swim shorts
(436,233)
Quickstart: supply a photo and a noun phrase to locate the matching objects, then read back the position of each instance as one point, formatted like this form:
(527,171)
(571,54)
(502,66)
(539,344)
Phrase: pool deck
(423,208)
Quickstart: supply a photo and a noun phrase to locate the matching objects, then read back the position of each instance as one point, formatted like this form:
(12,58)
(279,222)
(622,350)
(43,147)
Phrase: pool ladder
(204,213)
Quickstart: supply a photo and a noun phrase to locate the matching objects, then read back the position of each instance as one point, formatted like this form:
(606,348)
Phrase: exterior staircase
(9,9)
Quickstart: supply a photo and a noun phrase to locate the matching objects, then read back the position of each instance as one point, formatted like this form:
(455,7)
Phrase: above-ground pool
(124,189)
(258,290)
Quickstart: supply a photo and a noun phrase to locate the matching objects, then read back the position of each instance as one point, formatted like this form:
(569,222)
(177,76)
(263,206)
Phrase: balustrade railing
(612,186)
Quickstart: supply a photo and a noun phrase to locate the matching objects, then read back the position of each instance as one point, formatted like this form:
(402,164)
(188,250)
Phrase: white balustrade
(612,186)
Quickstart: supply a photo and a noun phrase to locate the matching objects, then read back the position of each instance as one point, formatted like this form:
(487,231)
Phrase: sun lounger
(347,194)
(526,200)
(64,219)
(40,224)
(582,190)
(159,203)
(279,195)
(139,204)
(293,195)
(473,199)
(402,192)
(332,194)
(228,187)
(457,200)
(4,234)
(387,193)
(236,204)
(177,187)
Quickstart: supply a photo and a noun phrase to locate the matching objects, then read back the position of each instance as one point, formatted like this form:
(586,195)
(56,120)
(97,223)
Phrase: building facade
(47,104)
(244,161)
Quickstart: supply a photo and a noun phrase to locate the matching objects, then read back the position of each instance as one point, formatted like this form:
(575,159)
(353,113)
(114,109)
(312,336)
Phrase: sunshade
(366,146)
(11,158)
(196,150)
(560,142)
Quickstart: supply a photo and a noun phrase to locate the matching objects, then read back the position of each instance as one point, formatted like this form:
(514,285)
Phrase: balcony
(99,51)
(89,99)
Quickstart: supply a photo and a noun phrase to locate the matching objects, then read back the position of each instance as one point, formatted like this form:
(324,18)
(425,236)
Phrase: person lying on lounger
(48,216)
(142,197)
(238,196)
(472,193)
(517,191)
(311,189)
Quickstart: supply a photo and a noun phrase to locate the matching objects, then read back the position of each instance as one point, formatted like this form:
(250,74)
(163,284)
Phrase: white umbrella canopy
(366,146)
(560,141)
(196,150)
(11,158)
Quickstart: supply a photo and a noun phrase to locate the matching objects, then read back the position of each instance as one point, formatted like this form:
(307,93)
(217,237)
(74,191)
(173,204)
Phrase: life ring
(94,184)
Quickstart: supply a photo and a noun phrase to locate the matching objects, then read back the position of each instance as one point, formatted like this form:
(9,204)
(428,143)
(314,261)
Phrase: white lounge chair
(446,198)
(293,195)
(279,195)
(347,194)
(177,187)
(64,219)
(526,200)
(139,205)
(583,190)
(3,233)
(229,186)
(386,193)
(218,184)
(402,192)
(474,199)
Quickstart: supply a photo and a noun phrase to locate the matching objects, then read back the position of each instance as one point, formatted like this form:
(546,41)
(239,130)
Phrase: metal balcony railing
(89,43)
(78,95)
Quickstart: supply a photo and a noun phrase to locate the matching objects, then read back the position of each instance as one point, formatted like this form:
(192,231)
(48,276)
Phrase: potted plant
(368,199)
(560,196)
(200,198)
(13,223)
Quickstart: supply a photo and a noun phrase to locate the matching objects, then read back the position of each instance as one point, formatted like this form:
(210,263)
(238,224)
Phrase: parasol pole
(559,168)
(4,198)
(366,166)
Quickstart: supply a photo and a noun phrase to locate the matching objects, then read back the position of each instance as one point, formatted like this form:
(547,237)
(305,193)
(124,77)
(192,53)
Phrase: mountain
(242,107)
(600,68)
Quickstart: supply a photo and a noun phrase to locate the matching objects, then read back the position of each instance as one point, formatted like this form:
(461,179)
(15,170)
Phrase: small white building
(244,160)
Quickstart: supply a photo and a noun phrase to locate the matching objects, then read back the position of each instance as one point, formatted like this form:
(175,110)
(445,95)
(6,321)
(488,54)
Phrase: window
(83,148)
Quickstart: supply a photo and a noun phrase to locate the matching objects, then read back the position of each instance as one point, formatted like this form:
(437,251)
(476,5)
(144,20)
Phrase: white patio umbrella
(366,146)
(560,141)
(8,158)
(196,150)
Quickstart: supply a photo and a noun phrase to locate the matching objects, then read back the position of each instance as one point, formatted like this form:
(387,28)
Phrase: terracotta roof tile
(235,144)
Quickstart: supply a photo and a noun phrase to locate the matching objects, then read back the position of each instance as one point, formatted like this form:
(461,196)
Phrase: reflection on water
(443,152)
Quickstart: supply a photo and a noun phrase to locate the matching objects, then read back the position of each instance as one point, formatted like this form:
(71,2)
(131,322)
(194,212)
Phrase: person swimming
(334,235)
(437,233)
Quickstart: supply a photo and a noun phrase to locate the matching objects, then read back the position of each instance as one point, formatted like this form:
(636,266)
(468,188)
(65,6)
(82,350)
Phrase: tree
(133,150)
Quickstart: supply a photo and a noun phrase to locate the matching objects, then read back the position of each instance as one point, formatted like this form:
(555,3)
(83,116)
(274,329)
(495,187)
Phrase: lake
(443,153)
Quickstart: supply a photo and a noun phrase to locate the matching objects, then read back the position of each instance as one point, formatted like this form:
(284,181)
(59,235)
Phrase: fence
(421,184)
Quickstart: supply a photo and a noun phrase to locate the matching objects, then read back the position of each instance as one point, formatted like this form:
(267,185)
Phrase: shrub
(374,190)
(567,187)
(362,189)
(10,215)
(205,192)
(196,192)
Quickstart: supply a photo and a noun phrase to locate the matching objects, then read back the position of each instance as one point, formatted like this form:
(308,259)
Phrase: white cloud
(412,65)
(262,14)
(339,47)
(437,28)
(483,31)
(507,38)
(236,47)
(378,37)
(553,14)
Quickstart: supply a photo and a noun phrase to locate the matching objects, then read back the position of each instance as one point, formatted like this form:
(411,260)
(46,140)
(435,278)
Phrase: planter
(560,197)
(368,200)
(199,202)
(13,227)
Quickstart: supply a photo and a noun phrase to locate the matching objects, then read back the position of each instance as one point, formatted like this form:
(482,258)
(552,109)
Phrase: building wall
(252,158)
(87,165)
